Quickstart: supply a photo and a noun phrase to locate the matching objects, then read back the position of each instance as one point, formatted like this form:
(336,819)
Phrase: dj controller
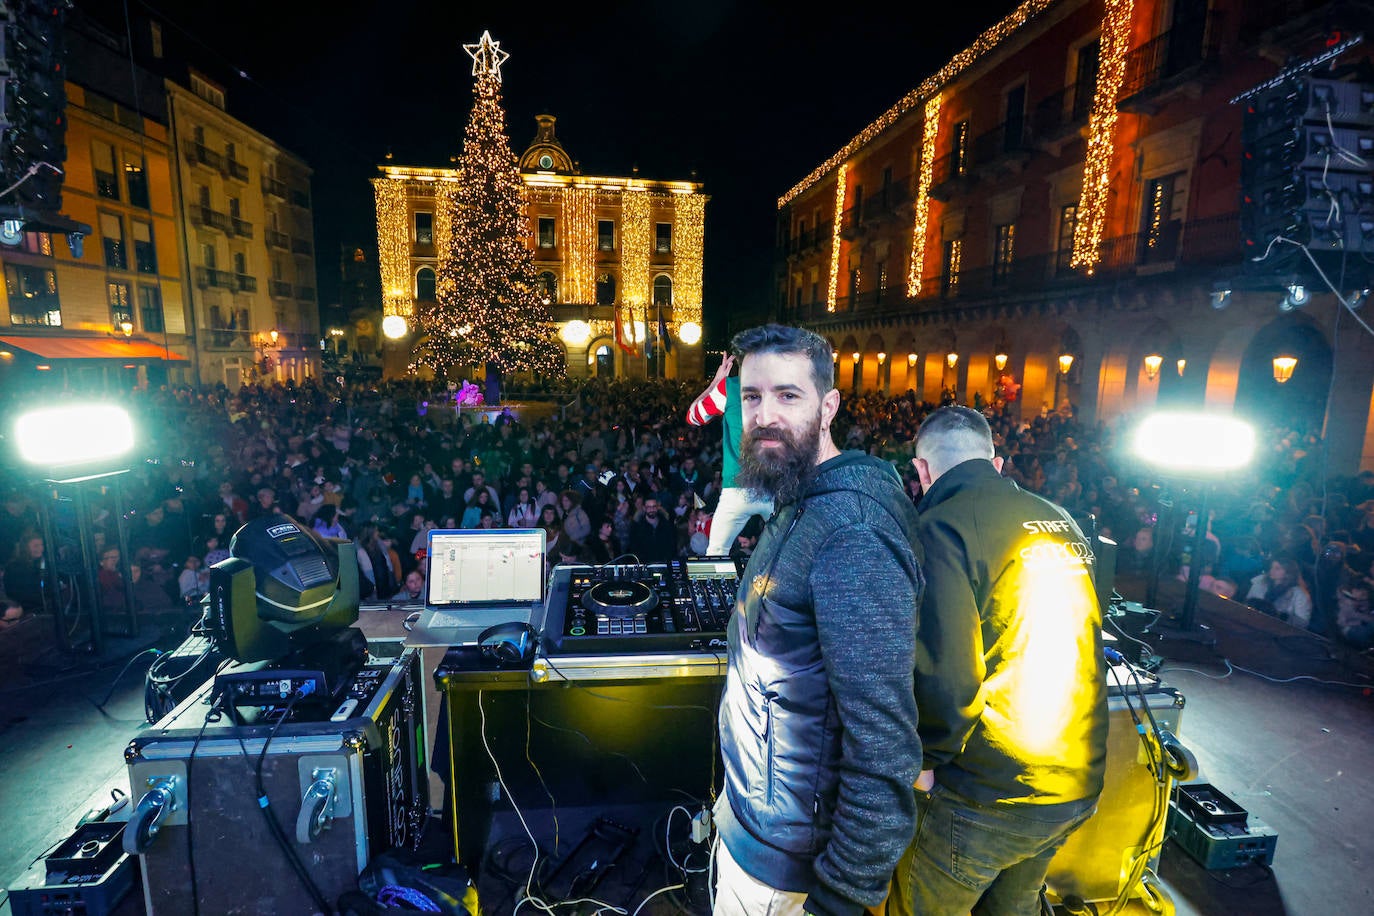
(658,607)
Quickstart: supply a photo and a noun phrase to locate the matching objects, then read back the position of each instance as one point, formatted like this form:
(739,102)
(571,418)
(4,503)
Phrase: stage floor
(1280,721)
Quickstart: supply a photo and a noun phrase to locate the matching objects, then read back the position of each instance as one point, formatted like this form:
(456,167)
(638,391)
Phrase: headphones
(509,643)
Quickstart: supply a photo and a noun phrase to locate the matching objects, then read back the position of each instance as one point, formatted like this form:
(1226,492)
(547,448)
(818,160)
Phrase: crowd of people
(615,468)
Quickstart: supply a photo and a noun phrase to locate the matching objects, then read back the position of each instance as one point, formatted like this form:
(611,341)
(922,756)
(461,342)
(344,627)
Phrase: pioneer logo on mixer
(620,593)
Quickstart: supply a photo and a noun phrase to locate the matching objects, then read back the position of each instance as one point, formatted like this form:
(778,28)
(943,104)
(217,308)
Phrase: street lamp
(952,359)
(911,359)
(1182,364)
(576,333)
(1283,368)
(1065,363)
(689,333)
(1152,364)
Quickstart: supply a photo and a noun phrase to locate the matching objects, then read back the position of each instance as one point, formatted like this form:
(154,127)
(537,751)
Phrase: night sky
(752,96)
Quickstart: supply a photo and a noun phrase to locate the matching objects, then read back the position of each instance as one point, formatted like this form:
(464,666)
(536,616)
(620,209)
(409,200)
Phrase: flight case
(343,786)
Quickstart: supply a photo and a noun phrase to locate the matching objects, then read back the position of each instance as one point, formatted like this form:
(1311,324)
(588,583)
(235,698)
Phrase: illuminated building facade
(1060,204)
(246,208)
(104,313)
(602,246)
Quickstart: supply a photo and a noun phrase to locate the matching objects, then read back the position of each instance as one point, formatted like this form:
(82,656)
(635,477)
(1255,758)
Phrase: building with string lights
(1104,205)
(609,251)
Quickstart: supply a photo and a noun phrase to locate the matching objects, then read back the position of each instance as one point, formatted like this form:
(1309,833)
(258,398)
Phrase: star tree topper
(487,56)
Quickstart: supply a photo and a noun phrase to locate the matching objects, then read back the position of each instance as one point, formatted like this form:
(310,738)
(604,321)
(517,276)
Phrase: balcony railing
(274,187)
(301,246)
(236,170)
(209,278)
(277,239)
(279,288)
(200,154)
(246,283)
(204,216)
(242,228)
(1188,44)
(1065,110)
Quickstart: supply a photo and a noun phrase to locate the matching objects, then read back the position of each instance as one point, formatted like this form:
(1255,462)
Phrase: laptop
(477,578)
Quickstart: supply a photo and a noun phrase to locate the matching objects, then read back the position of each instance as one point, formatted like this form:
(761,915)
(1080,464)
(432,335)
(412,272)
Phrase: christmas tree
(488,307)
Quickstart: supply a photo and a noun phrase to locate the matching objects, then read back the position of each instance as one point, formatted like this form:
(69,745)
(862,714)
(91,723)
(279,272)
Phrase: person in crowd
(378,563)
(11,613)
(523,513)
(479,482)
(327,524)
(480,503)
(1008,770)
(1354,618)
(24,573)
(830,719)
(735,505)
(1280,591)
(193,583)
(604,547)
(576,523)
(412,589)
(653,536)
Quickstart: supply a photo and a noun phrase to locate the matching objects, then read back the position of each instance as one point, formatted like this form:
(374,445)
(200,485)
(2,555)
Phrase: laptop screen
(485,566)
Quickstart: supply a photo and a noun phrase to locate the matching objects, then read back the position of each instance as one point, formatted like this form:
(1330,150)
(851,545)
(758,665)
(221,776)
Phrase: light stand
(71,446)
(1194,447)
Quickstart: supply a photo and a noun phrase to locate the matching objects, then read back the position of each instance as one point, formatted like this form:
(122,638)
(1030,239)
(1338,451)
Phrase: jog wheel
(620,598)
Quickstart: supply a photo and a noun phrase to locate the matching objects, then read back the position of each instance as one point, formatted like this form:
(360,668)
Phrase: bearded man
(818,719)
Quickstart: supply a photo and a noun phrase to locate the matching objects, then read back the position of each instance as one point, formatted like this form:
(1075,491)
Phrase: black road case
(342,787)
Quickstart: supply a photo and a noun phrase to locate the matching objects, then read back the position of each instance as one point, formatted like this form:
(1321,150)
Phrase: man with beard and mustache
(1010,681)
(818,718)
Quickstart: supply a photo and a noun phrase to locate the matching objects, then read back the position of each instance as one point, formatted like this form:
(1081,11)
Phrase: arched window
(424,284)
(663,290)
(548,287)
(605,289)
(605,362)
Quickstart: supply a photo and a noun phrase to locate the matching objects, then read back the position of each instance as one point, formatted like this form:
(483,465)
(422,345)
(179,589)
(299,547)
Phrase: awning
(89,348)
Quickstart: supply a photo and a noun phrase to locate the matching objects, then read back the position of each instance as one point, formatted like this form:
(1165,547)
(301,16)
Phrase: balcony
(206,218)
(1008,143)
(300,198)
(209,278)
(1180,60)
(236,170)
(305,292)
(1064,113)
(274,187)
(245,284)
(950,175)
(200,154)
(301,246)
(279,289)
(242,228)
(277,239)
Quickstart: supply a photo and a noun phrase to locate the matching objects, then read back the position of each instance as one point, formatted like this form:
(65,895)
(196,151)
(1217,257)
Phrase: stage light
(394,327)
(76,442)
(1283,368)
(1220,298)
(689,332)
(1152,364)
(1183,441)
(1295,298)
(576,333)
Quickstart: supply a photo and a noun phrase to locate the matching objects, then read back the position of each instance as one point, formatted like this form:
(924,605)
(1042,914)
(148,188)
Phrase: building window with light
(1162,218)
(548,287)
(136,179)
(150,309)
(103,164)
(663,238)
(663,290)
(38,243)
(1002,252)
(33,296)
(424,228)
(121,305)
(112,238)
(605,289)
(605,234)
(949,275)
(424,284)
(145,254)
(547,238)
(1063,252)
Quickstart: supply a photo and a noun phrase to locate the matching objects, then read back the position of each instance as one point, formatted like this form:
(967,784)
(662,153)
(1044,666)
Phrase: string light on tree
(488,309)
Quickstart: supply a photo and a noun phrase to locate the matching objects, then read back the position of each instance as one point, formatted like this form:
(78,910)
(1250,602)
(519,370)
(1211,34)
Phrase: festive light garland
(1097,168)
(634,249)
(835,237)
(445,199)
(921,208)
(689,239)
(916,97)
(393,246)
(579,244)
